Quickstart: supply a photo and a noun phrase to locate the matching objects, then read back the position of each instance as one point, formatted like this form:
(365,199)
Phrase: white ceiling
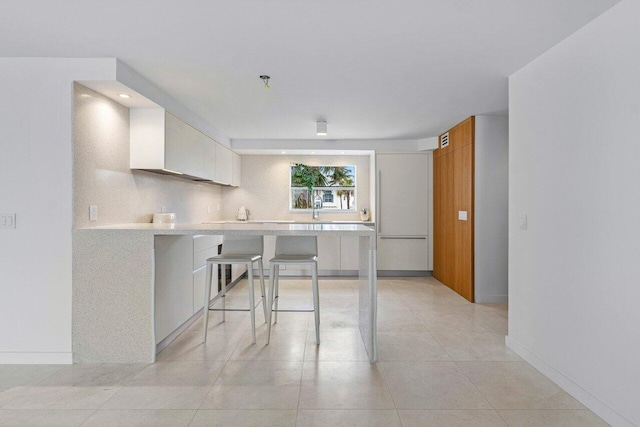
(374,69)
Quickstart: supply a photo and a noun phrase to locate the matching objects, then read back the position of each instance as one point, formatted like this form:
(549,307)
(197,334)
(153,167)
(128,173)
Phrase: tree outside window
(332,187)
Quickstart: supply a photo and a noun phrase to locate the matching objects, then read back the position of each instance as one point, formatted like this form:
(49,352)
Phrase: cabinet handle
(379,201)
(403,238)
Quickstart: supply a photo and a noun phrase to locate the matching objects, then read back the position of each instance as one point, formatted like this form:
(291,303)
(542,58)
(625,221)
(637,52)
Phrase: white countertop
(287,221)
(243,228)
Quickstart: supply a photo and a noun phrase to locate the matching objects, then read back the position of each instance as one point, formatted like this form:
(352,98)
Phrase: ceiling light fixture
(124,95)
(265,80)
(321,128)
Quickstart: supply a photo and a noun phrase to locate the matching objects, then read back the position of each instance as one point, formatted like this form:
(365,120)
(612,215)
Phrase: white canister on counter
(164,218)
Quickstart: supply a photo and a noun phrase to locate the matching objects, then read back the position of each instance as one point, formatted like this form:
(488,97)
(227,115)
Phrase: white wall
(574,274)
(102,176)
(428,144)
(35,183)
(491,208)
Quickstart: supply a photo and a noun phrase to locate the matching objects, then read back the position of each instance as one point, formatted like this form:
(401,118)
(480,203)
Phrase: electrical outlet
(93,213)
(523,223)
(7,220)
(218,207)
(209,209)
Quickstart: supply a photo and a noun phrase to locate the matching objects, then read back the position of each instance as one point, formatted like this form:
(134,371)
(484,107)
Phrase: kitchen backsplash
(265,187)
(102,176)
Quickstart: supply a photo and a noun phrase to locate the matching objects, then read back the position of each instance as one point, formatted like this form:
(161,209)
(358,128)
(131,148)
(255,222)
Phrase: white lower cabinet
(335,253)
(403,253)
(237,270)
(204,247)
(329,252)
(174,283)
(349,253)
(269,252)
(199,280)
(180,279)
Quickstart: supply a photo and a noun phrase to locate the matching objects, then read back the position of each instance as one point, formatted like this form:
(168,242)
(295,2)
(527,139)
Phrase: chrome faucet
(315,213)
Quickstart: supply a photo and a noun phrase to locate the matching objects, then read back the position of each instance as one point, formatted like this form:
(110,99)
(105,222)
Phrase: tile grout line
(31,385)
(386,383)
(195,413)
(476,387)
(501,417)
(88,418)
(125,382)
(304,354)
(224,365)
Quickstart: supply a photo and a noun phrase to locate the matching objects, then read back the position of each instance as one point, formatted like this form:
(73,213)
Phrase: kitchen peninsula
(114,283)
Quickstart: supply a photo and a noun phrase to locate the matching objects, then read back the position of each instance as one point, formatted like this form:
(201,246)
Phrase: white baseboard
(12,358)
(587,399)
(491,299)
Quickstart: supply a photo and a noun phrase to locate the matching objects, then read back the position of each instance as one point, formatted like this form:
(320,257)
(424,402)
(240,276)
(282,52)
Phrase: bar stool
(236,250)
(294,250)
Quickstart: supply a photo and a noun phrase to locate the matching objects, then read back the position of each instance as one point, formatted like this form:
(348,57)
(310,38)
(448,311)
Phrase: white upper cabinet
(224,165)
(187,150)
(161,142)
(146,135)
(237,170)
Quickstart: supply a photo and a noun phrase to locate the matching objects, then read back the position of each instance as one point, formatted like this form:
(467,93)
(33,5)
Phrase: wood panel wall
(453,191)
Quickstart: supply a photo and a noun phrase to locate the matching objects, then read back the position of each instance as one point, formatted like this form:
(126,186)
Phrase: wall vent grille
(444,140)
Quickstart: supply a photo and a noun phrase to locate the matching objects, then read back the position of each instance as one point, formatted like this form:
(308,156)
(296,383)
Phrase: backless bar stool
(236,250)
(294,250)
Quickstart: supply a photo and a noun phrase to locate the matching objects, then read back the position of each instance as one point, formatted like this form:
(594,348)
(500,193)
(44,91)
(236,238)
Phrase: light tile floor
(443,362)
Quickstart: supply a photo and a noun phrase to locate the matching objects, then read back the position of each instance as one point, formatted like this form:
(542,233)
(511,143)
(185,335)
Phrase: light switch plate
(93,213)
(462,215)
(7,220)
(523,223)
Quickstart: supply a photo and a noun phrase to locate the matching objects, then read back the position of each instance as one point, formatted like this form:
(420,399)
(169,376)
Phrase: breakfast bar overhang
(114,283)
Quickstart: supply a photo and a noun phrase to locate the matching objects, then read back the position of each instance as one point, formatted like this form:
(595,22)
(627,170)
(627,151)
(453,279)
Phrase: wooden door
(463,230)
(453,189)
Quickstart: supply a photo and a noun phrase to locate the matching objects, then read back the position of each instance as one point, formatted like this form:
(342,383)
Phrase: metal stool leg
(316,299)
(224,291)
(271,291)
(277,285)
(264,302)
(252,302)
(207,300)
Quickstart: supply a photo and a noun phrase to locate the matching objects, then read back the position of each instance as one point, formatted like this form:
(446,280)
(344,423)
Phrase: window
(333,187)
